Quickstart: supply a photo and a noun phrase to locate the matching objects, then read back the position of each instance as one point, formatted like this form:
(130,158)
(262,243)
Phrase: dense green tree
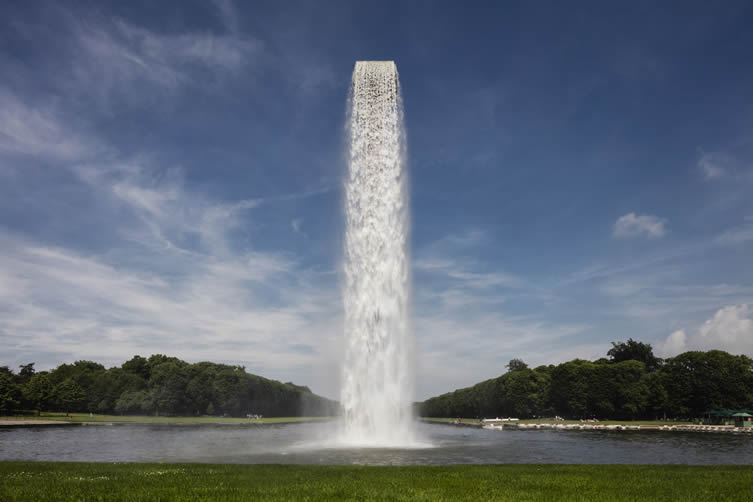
(701,381)
(516,365)
(168,388)
(525,393)
(657,399)
(69,396)
(570,388)
(159,384)
(134,402)
(633,350)
(228,390)
(200,387)
(632,384)
(138,366)
(88,375)
(10,393)
(157,359)
(109,386)
(25,372)
(630,395)
(38,392)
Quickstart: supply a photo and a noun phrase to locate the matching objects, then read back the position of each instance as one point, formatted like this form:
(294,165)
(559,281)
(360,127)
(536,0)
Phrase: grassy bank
(45,481)
(84,417)
(552,421)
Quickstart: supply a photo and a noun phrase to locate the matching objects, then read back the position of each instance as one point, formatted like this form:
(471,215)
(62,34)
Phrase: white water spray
(377,387)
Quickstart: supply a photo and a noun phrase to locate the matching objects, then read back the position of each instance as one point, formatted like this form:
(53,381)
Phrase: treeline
(159,385)
(629,384)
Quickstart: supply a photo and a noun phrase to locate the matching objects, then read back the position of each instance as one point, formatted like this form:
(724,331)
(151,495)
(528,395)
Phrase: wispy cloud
(181,272)
(451,258)
(715,164)
(466,332)
(633,225)
(37,130)
(458,349)
(106,60)
(733,164)
(738,235)
(456,270)
(154,293)
(296,224)
(97,307)
(112,57)
(228,14)
(167,210)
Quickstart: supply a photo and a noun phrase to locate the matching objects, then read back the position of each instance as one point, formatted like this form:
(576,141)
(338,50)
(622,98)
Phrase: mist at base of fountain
(377,386)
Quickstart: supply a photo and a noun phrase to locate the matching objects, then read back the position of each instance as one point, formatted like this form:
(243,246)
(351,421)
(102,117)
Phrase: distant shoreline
(571,425)
(59,419)
(82,419)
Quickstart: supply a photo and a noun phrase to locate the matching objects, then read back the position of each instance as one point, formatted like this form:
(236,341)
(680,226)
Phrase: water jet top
(390,64)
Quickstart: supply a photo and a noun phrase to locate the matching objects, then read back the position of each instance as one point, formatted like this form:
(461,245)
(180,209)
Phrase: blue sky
(170,180)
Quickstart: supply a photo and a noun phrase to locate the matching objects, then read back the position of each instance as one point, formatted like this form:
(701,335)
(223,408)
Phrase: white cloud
(675,343)
(632,225)
(714,164)
(215,307)
(730,329)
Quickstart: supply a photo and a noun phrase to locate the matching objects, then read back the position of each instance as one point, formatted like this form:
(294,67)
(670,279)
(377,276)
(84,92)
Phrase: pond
(308,444)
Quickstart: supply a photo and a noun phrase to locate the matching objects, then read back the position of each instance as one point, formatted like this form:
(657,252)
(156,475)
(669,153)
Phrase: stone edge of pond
(597,427)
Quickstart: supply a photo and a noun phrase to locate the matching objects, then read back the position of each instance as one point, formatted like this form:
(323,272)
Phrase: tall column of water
(377,387)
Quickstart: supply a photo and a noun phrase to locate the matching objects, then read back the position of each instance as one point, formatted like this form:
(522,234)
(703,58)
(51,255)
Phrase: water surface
(309,444)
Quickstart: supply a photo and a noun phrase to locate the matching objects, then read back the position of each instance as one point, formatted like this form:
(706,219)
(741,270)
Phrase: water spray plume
(377,387)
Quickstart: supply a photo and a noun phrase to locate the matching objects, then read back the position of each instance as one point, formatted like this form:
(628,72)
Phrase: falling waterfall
(377,387)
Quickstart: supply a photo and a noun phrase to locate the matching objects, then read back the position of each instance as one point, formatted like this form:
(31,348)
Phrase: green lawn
(48,481)
(84,417)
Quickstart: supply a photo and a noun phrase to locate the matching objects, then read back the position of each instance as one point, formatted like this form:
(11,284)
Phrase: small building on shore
(728,417)
(743,419)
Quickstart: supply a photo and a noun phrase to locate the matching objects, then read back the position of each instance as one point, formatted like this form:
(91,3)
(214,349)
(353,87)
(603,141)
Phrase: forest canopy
(631,383)
(158,385)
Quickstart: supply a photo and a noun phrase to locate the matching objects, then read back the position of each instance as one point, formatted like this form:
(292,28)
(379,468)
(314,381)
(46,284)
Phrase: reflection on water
(309,444)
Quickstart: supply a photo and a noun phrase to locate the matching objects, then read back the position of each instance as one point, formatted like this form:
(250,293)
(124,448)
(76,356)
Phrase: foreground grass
(552,421)
(50,481)
(84,417)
